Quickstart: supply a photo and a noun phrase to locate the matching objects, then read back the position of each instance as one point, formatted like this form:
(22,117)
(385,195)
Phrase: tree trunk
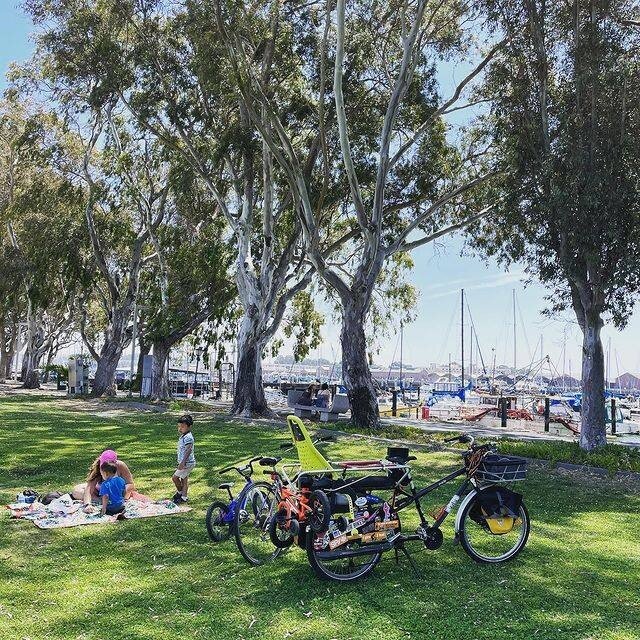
(104,381)
(249,399)
(593,430)
(160,383)
(47,371)
(144,349)
(6,358)
(33,352)
(30,372)
(355,366)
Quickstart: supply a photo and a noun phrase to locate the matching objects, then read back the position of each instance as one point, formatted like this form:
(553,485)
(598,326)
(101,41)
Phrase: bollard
(503,413)
(546,414)
(613,416)
(394,403)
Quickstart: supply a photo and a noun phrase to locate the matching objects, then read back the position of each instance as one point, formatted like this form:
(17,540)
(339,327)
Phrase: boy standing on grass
(186,459)
(112,489)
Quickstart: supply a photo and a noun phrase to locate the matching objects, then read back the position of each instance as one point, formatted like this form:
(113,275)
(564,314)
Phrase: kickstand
(409,558)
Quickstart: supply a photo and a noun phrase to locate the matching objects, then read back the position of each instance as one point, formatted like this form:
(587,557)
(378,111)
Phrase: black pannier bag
(496,502)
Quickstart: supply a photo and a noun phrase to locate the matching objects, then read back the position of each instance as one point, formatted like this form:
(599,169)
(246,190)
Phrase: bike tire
(251,529)
(346,570)
(281,538)
(483,557)
(320,515)
(218,531)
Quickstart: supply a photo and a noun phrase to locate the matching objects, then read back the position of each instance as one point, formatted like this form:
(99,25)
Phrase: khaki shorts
(184,473)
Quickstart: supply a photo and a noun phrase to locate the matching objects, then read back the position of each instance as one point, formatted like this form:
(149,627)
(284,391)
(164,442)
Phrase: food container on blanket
(29,499)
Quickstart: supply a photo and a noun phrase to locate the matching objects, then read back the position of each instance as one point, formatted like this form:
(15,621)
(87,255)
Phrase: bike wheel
(489,548)
(217,528)
(280,536)
(320,515)
(331,565)
(255,510)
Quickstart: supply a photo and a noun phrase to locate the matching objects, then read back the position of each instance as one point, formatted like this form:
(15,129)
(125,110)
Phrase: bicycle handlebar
(241,470)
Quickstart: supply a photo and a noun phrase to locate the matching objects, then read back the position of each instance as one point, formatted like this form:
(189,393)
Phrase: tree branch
(421,130)
(409,246)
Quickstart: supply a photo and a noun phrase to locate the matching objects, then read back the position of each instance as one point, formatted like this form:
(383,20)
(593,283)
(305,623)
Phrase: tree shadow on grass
(162,578)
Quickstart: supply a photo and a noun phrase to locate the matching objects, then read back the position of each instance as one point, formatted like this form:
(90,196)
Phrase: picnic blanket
(45,517)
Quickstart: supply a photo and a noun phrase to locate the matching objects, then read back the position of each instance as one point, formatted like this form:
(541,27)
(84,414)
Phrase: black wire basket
(496,468)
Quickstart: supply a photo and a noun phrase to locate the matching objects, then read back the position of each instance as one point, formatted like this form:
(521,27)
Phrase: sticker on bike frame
(336,542)
(386,509)
(376,536)
(356,524)
(389,524)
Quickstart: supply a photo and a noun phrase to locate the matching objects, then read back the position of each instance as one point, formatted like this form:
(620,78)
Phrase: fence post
(547,404)
(613,416)
(394,403)
(503,412)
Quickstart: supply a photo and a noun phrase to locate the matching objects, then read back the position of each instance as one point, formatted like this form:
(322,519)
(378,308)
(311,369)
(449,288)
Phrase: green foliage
(188,405)
(564,122)
(304,324)
(61,371)
(612,457)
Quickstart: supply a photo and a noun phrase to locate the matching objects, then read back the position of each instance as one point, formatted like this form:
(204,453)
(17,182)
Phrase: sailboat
(450,389)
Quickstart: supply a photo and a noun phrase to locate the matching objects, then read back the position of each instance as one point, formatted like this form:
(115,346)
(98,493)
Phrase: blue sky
(439,275)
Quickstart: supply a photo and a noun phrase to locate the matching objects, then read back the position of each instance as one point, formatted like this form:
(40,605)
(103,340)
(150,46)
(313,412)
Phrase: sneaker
(177,496)
(180,500)
(184,498)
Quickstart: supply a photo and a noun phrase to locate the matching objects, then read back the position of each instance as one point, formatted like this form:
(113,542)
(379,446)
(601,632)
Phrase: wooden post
(547,404)
(394,403)
(613,416)
(503,412)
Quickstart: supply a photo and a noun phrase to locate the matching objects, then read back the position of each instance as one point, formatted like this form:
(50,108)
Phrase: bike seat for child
(269,462)
(226,485)
(310,458)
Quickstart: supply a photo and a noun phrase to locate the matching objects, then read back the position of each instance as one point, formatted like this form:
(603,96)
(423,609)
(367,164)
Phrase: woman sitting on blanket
(89,491)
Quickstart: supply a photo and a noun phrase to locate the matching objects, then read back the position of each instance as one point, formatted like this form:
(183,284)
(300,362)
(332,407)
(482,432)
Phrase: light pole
(134,331)
(198,351)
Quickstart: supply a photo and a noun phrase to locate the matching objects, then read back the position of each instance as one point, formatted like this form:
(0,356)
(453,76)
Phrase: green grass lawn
(579,576)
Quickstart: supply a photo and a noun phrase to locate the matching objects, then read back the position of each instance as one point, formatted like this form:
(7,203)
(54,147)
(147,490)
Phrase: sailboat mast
(514,337)
(401,336)
(462,335)
(471,356)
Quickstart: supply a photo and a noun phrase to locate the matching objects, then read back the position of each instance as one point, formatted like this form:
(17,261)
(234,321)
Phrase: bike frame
(239,502)
(413,496)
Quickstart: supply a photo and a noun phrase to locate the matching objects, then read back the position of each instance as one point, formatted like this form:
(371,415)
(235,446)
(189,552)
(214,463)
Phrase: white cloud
(492,282)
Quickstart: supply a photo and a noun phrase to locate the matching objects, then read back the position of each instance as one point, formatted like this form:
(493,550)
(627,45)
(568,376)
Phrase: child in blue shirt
(111,490)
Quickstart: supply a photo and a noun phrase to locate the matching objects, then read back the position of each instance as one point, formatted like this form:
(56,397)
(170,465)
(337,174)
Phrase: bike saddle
(269,462)
(226,485)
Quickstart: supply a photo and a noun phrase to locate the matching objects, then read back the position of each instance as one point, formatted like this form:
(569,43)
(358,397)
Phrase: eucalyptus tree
(408,178)
(165,61)
(565,122)
(127,187)
(38,209)
(192,284)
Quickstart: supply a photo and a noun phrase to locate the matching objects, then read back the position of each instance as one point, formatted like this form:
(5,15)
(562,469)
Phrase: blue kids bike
(244,516)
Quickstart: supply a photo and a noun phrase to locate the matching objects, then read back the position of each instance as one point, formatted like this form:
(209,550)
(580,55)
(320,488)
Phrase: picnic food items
(28,496)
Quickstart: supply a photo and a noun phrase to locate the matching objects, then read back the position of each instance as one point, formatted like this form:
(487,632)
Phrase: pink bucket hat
(109,455)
